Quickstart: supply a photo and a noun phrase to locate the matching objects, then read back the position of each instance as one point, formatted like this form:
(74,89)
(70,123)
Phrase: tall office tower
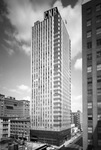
(51,80)
(91,53)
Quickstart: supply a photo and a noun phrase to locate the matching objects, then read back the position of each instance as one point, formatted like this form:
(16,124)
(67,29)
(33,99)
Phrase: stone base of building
(50,137)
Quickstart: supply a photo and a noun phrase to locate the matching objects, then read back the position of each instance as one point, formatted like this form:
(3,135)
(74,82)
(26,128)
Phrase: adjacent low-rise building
(14,127)
(10,107)
(4,127)
(14,117)
(26,108)
(76,118)
(20,128)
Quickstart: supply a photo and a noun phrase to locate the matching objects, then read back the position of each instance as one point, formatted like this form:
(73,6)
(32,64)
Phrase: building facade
(10,107)
(51,78)
(4,128)
(91,54)
(26,108)
(20,128)
(76,118)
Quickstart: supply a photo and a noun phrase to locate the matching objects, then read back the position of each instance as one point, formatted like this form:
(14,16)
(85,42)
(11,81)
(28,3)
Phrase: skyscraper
(91,53)
(51,80)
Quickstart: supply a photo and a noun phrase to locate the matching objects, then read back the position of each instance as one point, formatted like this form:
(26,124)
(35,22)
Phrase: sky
(16,20)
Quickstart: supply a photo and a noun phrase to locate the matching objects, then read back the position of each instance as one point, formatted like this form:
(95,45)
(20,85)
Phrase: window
(90,130)
(98,42)
(99,79)
(90,117)
(89,91)
(88,23)
(99,54)
(98,18)
(89,80)
(88,34)
(89,57)
(98,30)
(89,10)
(89,69)
(99,142)
(89,105)
(9,107)
(98,7)
(90,142)
(99,117)
(99,93)
(89,45)
(98,67)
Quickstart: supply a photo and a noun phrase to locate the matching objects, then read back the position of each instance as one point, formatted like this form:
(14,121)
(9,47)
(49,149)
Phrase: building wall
(91,38)
(51,74)
(4,123)
(1,107)
(10,107)
(26,108)
(13,107)
(66,77)
(50,137)
(76,118)
(1,129)
(20,128)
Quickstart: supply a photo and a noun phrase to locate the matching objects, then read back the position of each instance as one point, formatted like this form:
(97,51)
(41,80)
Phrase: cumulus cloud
(10,51)
(26,98)
(26,48)
(13,43)
(14,91)
(78,64)
(79,97)
(24,88)
(76,102)
(1,19)
(23,13)
(76,106)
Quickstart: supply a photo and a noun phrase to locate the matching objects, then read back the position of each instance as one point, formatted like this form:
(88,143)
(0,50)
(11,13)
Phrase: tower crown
(50,13)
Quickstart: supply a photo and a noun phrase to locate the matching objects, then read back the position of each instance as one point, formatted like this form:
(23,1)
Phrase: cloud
(76,102)
(79,97)
(76,98)
(78,64)
(8,42)
(14,43)
(1,19)
(10,51)
(26,98)
(0,74)
(23,13)
(76,106)
(26,49)
(5,88)
(15,91)
(73,18)
(72,86)
(24,88)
